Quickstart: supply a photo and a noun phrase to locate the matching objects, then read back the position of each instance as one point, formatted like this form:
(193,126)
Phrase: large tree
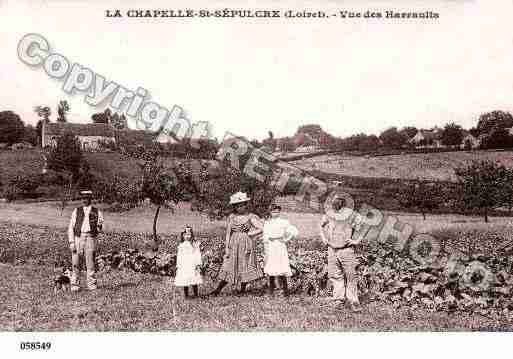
(221,181)
(11,127)
(30,135)
(392,138)
(421,196)
(495,119)
(163,185)
(452,135)
(409,131)
(482,185)
(66,156)
(62,111)
(312,129)
(508,190)
(368,143)
(497,138)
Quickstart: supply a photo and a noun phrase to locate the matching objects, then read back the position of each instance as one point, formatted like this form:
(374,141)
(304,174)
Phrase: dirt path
(140,220)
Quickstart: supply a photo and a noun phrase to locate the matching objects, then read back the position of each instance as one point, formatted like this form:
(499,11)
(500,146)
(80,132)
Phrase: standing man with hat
(342,259)
(86,222)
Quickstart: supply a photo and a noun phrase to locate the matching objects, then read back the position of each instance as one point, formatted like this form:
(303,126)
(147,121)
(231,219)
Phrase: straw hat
(86,193)
(239,197)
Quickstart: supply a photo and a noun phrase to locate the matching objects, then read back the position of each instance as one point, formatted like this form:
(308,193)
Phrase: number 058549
(35,345)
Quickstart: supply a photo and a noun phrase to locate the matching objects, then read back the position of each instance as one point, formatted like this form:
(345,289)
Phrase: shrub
(21,187)
(215,189)
(107,146)
(421,196)
(482,185)
(385,275)
(11,127)
(67,155)
(51,178)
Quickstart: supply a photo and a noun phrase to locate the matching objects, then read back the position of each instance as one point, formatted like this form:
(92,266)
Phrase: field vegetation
(425,166)
(134,296)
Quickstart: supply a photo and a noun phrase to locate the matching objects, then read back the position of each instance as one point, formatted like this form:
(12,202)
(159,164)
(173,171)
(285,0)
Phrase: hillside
(372,180)
(427,166)
(30,162)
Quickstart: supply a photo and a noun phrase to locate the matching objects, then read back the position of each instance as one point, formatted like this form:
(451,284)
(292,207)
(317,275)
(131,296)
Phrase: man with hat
(86,222)
(342,259)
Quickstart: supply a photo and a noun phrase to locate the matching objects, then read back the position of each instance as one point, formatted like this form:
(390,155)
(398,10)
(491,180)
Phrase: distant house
(90,135)
(469,141)
(306,143)
(308,149)
(427,138)
(305,139)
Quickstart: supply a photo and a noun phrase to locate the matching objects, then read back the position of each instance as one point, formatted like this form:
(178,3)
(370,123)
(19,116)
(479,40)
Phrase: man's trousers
(342,265)
(85,246)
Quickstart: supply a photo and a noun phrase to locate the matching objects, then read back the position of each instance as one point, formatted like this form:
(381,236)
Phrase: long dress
(240,264)
(277,231)
(187,259)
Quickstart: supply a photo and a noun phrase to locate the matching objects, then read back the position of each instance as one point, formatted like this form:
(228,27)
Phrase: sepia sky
(249,76)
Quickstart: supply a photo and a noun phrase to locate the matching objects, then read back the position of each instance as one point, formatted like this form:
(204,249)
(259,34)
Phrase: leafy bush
(11,127)
(482,185)
(67,156)
(385,275)
(107,145)
(217,185)
(119,192)
(21,187)
(421,196)
(51,178)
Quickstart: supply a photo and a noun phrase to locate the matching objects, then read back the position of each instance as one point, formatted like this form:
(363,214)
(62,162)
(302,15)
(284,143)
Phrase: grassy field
(132,301)
(30,162)
(432,166)
(15,163)
(140,220)
(127,301)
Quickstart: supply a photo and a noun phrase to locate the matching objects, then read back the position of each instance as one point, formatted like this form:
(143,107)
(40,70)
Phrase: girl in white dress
(276,233)
(188,263)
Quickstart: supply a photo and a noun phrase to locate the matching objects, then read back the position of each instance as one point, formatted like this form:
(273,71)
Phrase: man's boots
(284,285)
(242,288)
(272,285)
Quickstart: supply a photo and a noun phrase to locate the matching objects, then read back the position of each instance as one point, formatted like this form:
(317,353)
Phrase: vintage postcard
(242,166)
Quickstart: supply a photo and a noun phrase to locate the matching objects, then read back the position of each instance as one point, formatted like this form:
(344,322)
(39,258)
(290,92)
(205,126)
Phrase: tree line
(482,187)
(492,131)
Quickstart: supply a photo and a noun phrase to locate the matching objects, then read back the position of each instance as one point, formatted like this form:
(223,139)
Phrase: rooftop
(79,129)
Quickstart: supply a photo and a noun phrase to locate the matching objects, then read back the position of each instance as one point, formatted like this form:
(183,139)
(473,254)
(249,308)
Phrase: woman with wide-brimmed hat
(240,265)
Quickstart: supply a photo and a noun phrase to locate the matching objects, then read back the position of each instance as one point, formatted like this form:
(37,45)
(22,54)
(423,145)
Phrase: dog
(62,278)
